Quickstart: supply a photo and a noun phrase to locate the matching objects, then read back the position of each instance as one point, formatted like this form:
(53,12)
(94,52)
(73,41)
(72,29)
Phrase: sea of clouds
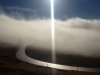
(72,36)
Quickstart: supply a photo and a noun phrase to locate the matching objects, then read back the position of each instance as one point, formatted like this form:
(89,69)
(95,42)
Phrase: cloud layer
(73,36)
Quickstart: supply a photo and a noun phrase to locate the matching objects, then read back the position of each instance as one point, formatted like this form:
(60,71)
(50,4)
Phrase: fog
(72,36)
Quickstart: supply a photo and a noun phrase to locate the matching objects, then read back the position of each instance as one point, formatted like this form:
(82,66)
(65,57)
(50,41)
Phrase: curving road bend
(22,56)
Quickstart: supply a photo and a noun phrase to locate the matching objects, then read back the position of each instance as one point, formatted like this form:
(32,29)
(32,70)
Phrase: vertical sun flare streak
(53,31)
(53,36)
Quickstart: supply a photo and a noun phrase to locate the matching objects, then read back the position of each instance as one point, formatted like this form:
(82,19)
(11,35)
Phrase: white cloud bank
(73,36)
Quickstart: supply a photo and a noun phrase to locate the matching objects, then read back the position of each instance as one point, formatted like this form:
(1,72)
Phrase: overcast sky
(77,25)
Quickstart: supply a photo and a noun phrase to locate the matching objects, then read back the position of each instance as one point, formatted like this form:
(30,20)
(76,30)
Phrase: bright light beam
(53,32)
(53,36)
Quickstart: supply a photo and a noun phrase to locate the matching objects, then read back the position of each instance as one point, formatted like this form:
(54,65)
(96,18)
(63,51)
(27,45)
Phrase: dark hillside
(10,65)
(71,60)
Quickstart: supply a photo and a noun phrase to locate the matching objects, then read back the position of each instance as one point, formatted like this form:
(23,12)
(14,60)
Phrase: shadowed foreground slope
(10,65)
(64,59)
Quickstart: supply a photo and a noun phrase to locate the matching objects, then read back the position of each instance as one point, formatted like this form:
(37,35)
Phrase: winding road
(22,56)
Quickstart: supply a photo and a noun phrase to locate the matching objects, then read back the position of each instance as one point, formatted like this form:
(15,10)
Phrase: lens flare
(53,36)
(53,32)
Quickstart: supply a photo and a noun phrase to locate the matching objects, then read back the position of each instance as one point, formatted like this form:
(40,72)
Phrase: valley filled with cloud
(72,36)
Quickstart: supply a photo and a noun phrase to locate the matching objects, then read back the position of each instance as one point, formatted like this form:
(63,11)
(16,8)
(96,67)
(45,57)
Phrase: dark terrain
(71,60)
(10,65)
